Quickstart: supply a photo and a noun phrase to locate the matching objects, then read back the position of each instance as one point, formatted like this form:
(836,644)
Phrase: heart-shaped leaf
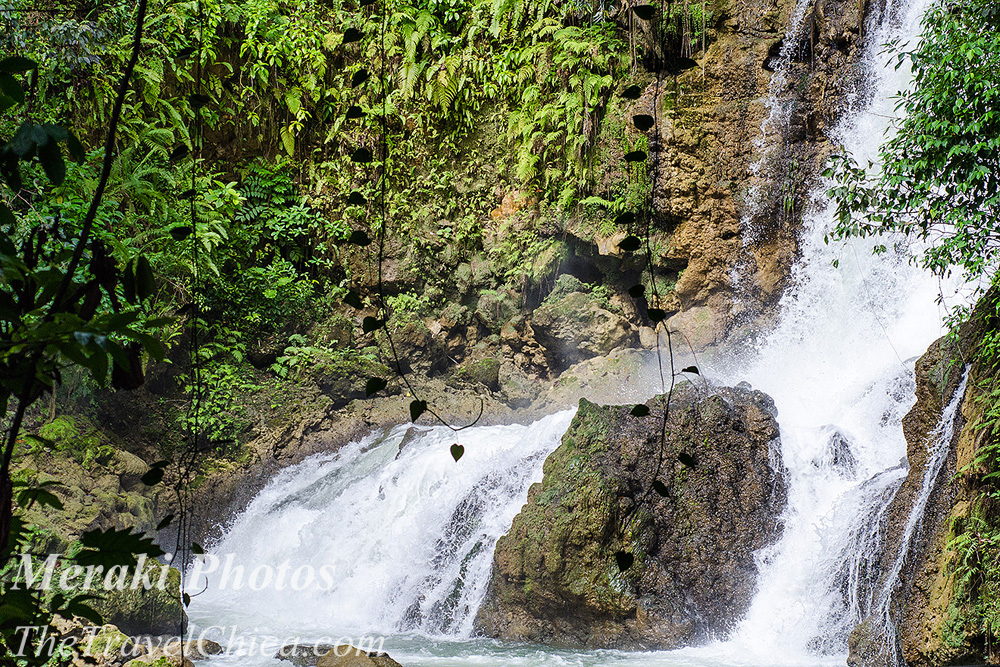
(660,488)
(687,460)
(370,324)
(656,314)
(361,156)
(645,12)
(624,560)
(639,410)
(691,369)
(456,451)
(374,385)
(637,291)
(417,408)
(630,244)
(357,199)
(635,156)
(632,93)
(643,122)
(354,112)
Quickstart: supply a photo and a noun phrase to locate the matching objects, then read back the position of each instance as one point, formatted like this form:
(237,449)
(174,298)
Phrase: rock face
(926,605)
(562,576)
(574,324)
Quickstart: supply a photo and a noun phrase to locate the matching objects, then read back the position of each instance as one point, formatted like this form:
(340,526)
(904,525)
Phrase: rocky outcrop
(574,324)
(642,532)
(137,611)
(349,656)
(927,607)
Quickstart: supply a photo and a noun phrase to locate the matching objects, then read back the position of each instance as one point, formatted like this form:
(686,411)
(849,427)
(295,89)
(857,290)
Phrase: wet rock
(146,612)
(349,656)
(303,655)
(838,455)
(196,649)
(601,557)
(578,326)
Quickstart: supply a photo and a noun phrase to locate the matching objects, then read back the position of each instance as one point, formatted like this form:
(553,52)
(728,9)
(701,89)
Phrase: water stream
(406,534)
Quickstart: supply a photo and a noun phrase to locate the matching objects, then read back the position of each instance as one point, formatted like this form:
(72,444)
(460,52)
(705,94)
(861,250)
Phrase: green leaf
(660,488)
(359,238)
(115,547)
(687,460)
(373,386)
(11,88)
(152,477)
(417,408)
(128,283)
(52,162)
(75,148)
(637,291)
(167,520)
(457,451)
(352,35)
(644,12)
(357,199)
(630,244)
(17,64)
(354,112)
(145,283)
(635,156)
(197,549)
(361,156)
(370,324)
(691,369)
(624,560)
(639,411)
(643,122)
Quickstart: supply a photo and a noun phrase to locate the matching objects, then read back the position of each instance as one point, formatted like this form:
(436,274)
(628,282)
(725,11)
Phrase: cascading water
(395,534)
(839,366)
(406,534)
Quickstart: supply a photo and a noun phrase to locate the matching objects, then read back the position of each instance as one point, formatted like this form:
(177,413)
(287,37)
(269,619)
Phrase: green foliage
(939,177)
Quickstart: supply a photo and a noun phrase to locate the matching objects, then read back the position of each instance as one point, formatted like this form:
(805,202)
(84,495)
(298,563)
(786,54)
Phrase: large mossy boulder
(600,556)
(141,611)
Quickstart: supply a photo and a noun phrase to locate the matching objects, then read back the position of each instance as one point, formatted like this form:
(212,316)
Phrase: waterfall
(406,534)
(839,365)
(938,445)
(396,535)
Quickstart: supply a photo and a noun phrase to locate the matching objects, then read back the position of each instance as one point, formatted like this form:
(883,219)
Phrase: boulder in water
(642,532)
(349,656)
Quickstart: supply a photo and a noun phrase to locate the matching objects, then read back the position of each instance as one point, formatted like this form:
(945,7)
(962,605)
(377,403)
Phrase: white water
(410,538)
